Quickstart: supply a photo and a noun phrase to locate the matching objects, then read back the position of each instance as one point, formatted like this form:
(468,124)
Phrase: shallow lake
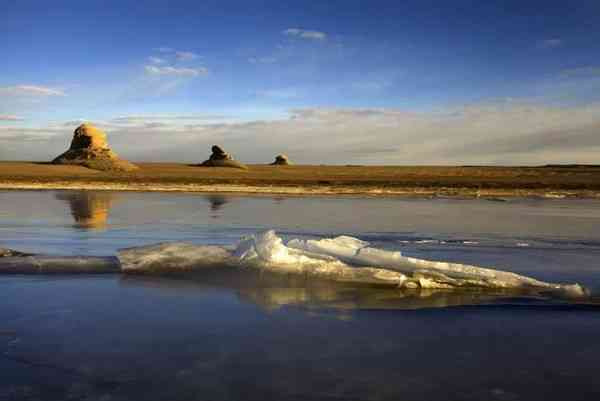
(109,337)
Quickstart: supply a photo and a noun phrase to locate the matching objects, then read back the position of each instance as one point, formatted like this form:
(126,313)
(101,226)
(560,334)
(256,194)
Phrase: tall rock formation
(90,149)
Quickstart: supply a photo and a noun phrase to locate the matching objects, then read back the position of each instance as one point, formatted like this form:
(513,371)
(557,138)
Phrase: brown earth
(469,180)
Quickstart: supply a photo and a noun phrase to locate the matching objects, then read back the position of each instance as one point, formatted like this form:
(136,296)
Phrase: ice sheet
(59,264)
(428,274)
(342,259)
(173,257)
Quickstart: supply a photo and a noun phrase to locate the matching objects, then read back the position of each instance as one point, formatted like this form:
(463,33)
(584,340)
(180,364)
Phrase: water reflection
(217,201)
(278,200)
(90,210)
(271,292)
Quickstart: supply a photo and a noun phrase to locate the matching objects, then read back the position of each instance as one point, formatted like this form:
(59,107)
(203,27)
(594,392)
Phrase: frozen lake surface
(214,336)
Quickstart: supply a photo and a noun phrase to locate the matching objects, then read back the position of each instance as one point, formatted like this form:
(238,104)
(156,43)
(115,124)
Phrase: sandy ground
(557,181)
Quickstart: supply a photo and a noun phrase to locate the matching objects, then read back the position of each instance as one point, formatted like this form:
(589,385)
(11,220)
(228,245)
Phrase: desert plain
(457,181)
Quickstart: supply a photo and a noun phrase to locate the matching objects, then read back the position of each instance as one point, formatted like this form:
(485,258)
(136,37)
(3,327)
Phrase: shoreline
(404,192)
(568,181)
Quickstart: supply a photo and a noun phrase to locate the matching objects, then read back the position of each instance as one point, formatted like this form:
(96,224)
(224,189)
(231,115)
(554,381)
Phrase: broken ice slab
(59,264)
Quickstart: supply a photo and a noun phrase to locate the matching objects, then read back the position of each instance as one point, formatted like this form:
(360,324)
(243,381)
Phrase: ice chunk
(59,264)
(267,251)
(268,248)
(342,247)
(350,250)
(5,253)
(341,259)
(263,251)
(426,273)
(173,256)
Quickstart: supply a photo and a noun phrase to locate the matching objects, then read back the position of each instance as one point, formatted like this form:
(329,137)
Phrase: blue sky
(441,79)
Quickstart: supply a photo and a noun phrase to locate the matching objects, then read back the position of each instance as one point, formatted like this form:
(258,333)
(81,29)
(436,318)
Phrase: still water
(214,337)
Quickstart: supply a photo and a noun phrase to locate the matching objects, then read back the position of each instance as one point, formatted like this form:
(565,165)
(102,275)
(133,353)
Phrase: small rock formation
(220,158)
(90,149)
(281,160)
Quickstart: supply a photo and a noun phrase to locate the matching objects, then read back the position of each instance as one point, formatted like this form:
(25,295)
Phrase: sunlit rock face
(87,136)
(89,148)
(220,158)
(90,210)
(281,160)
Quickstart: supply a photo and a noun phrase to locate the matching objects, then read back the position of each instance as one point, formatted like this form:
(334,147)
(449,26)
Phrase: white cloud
(30,90)
(175,71)
(490,133)
(500,133)
(550,43)
(178,54)
(75,123)
(185,56)
(156,60)
(10,117)
(305,34)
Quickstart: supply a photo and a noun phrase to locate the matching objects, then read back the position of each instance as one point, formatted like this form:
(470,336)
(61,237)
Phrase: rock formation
(220,158)
(90,149)
(281,160)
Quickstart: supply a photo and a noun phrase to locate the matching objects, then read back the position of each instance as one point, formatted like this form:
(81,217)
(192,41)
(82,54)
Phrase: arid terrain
(575,180)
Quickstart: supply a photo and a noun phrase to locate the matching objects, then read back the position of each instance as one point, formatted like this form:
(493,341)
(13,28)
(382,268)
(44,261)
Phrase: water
(222,337)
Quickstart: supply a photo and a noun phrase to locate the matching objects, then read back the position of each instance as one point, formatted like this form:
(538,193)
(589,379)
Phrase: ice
(59,264)
(341,259)
(173,257)
(426,273)
(266,251)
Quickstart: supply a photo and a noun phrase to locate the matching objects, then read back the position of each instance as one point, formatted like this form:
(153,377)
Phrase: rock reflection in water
(271,292)
(217,202)
(90,209)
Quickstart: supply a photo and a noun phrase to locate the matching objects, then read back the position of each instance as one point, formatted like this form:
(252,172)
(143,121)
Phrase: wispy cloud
(30,90)
(262,60)
(74,123)
(10,117)
(286,93)
(305,34)
(507,132)
(371,86)
(581,72)
(185,56)
(551,43)
(180,55)
(135,119)
(175,71)
(156,60)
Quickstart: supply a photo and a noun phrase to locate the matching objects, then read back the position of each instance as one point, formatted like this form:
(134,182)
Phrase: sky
(325,82)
